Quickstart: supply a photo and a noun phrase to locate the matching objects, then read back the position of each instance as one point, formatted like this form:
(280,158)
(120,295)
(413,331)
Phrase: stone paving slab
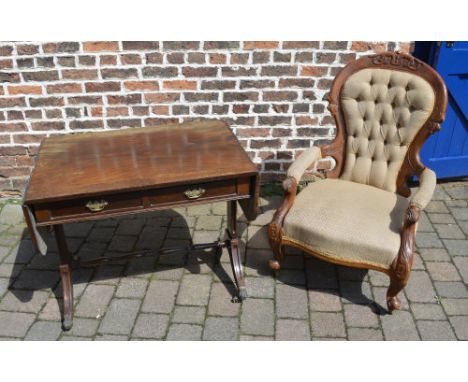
(184,297)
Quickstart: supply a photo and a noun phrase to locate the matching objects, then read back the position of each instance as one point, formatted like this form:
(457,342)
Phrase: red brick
(274,120)
(306,120)
(238,72)
(10,127)
(160,110)
(80,74)
(181,45)
(156,71)
(175,58)
(257,84)
(77,124)
(296,83)
(116,123)
(201,71)
(124,99)
(140,45)
(160,121)
(363,46)
(141,85)
(24,89)
(155,58)
(239,58)
(5,139)
(240,109)
(12,102)
(279,95)
(15,115)
(130,59)
(119,73)
(346,58)
(161,97)
(87,100)
(27,49)
(100,46)
(253,132)
(196,58)
(180,84)
(260,44)
(24,160)
(64,88)
(102,87)
(141,110)
(240,96)
(28,138)
(335,45)
(61,47)
(221,45)
(87,60)
(108,59)
(45,75)
(301,44)
(48,125)
(200,97)
(217,58)
(6,50)
(325,58)
(46,101)
(6,64)
(97,111)
(218,85)
(264,143)
(7,172)
(314,71)
(117,111)
(284,70)
(12,150)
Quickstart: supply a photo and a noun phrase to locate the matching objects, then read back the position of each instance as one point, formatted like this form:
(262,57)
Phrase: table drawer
(92,206)
(199,192)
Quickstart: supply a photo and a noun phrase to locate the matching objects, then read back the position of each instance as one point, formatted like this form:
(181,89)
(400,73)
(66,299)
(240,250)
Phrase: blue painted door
(446,152)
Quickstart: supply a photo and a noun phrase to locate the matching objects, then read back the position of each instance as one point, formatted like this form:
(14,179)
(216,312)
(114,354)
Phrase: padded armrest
(303,162)
(427,184)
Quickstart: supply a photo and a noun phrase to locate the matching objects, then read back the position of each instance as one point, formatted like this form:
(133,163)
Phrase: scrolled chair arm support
(294,175)
(404,261)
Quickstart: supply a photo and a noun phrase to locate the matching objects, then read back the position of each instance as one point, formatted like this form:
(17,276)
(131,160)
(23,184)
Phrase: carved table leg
(65,275)
(234,250)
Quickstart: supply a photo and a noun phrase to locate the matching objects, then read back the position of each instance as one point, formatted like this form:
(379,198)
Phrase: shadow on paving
(319,275)
(33,271)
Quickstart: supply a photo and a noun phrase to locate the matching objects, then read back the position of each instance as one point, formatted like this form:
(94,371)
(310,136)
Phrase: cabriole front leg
(65,276)
(401,267)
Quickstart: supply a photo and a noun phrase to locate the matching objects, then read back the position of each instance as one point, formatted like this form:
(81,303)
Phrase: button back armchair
(363,215)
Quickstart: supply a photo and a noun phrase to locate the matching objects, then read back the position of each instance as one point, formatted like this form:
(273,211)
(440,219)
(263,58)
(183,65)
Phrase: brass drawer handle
(194,193)
(96,205)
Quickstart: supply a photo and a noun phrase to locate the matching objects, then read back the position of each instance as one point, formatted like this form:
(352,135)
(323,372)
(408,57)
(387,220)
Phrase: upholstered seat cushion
(347,222)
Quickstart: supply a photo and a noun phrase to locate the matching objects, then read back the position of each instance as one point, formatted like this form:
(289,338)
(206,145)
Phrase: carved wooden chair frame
(411,166)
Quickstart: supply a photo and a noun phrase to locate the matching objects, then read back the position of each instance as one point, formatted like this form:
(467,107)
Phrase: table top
(70,166)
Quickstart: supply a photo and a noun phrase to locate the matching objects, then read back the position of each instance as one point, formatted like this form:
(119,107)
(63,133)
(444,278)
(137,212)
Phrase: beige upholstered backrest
(383,110)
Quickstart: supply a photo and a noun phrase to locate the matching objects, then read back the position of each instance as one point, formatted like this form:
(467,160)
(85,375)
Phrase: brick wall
(273,94)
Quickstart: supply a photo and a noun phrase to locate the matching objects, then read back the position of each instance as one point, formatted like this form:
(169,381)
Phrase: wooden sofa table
(107,174)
